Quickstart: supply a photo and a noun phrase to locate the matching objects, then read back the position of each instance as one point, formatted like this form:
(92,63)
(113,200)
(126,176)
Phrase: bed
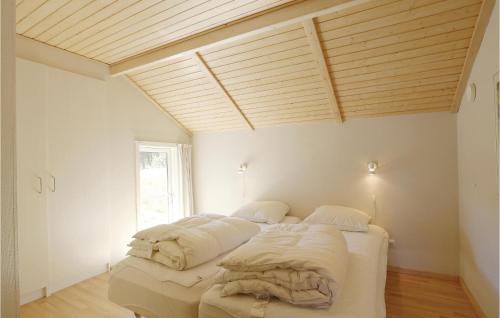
(361,296)
(155,291)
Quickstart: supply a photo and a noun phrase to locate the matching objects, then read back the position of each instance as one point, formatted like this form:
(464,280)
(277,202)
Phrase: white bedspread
(192,241)
(303,264)
(361,297)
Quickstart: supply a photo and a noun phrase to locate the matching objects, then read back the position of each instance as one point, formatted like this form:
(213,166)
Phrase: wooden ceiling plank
(261,22)
(219,87)
(404,63)
(401,84)
(184,113)
(164,12)
(169,75)
(257,45)
(207,116)
(409,70)
(314,103)
(230,120)
(25,8)
(199,95)
(196,107)
(231,60)
(312,37)
(249,79)
(318,91)
(294,119)
(55,17)
(385,19)
(420,89)
(172,63)
(292,114)
(162,109)
(286,80)
(180,80)
(402,55)
(180,87)
(350,11)
(259,60)
(164,69)
(129,14)
(287,101)
(395,112)
(39,15)
(264,68)
(130,40)
(193,102)
(398,79)
(477,38)
(83,16)
(430,36)
(409,103)
(288,111)
(204,98)
(331,40)
(400,97)
(187,92)
(279,91)
(207,52)
(146,10)
(159,35)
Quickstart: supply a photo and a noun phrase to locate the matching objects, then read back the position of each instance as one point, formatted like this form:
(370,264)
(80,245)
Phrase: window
(157,183)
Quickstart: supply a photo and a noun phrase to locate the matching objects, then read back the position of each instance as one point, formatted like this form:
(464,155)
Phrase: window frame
(171,166)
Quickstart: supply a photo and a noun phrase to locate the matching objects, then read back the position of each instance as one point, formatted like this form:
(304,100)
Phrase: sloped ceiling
(382,57)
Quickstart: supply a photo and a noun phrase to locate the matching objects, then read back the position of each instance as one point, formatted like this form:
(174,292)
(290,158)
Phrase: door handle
(40,186)
(52,187)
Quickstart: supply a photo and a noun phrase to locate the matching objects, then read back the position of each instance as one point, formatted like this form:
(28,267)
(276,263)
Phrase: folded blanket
(303,264)
(192,241)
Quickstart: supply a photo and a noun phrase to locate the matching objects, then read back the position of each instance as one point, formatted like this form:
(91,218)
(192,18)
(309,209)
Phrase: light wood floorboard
(407,296)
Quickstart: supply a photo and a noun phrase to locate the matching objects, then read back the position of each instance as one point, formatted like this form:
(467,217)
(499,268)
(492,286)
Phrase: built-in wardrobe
(62,178)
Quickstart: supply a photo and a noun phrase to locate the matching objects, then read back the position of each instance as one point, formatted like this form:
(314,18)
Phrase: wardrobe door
(78,166)
(31,178)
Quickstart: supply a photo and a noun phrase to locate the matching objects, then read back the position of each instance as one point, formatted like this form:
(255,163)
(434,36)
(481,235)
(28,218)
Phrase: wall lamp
(242,169)
(372,167)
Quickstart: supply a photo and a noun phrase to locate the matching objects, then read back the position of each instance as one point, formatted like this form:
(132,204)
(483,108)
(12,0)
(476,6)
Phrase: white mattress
(361,297)
(155,291)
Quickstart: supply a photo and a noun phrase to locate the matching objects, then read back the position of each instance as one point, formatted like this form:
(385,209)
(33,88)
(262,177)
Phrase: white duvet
(192,241)
(302,264)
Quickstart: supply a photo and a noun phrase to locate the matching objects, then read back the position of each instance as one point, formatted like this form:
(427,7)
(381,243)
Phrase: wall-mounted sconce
(242,169)
(372,167)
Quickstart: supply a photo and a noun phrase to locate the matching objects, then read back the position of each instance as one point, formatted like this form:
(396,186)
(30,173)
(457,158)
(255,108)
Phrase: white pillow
(344,218)
(263,211)
(291,220)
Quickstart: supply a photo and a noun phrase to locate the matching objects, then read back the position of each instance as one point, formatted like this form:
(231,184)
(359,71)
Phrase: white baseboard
(32,296)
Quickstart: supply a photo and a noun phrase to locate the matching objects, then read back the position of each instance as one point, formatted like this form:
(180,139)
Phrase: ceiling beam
(219,87)
(319,57)
(274,18)
(39,52)
(161,108)
(475,43)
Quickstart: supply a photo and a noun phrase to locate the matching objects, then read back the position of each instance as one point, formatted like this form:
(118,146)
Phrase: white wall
(86,128)
(131,118)
(478,183)
(307,165)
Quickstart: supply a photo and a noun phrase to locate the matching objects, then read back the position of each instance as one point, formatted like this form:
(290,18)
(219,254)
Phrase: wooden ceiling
(380,57)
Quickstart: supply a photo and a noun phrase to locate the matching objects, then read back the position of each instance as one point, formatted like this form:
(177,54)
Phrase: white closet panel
(31,193)
(78,161)
(63,139)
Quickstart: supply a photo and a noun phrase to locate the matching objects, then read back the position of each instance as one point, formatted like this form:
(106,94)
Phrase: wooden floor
(407,296)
